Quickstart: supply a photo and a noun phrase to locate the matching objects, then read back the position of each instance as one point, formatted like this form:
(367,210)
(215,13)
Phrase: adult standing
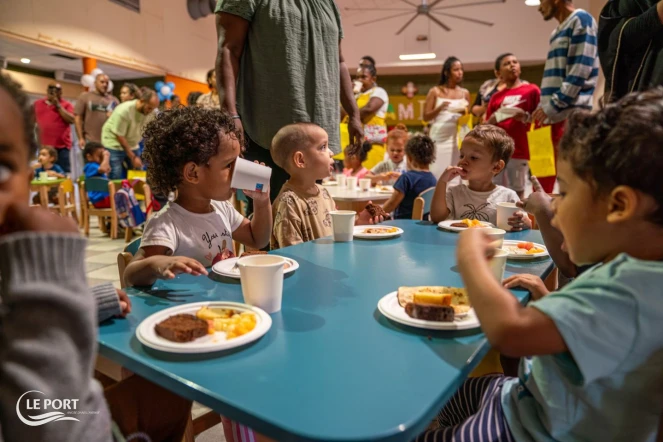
(444,105)
(92,110)
(511,109)
(124,130)
(211,99)
(571,69)
(279,63)
(486,90)
(129,91)
(54,117)
(630,46)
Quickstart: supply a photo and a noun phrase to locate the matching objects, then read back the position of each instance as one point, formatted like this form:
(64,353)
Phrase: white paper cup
(262,281)
(498,264)
(341,180)
(343,222)
(504,212)
(365,184)
(496,236)
(351,183)
(43,176)
(250,176)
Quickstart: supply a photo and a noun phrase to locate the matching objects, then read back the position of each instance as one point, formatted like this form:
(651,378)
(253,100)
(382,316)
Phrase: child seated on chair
(593,351)
(192,151)
(97,164)
(46,159)
(388,171)
(302,208)
(353,158)
(485,152)
(420,152)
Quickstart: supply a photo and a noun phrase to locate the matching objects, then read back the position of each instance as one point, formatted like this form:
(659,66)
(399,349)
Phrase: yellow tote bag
(541,151)
(464,126)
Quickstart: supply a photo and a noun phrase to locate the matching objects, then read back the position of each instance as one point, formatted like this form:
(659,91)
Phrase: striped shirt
(572,67)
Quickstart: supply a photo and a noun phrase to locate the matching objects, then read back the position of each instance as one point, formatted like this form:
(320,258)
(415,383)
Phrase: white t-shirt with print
(200,236)
(382,95)
(464,203)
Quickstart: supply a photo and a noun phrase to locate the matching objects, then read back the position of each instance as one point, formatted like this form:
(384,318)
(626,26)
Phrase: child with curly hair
(353,159)
(192,151)
(485,153)
(420,153)
(592,351)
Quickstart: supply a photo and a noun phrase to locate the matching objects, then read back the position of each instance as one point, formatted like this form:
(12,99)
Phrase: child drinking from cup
(97,164)
(388,171)
(47,158)
(593,351)
(302,210)
(192,151)
(353,158)
(485,152)
(420,152)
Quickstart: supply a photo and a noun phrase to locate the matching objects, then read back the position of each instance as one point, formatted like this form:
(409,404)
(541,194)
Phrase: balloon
(110,86)
(87,80)
(96,72)
(165,90)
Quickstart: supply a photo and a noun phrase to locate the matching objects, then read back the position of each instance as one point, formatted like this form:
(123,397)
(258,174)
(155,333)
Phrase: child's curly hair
(178,136)
(15,91)
(421,150)
(620,145)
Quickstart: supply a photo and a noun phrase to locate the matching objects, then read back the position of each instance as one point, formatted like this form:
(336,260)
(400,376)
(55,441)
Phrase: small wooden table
(42,186)
(355,199)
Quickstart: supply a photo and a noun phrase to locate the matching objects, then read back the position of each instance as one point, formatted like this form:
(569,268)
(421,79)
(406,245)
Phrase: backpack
(129,213)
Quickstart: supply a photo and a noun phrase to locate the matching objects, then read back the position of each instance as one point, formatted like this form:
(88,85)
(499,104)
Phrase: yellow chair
(422,204)
(66,199)
(95,184)
(125,257)
(136,175)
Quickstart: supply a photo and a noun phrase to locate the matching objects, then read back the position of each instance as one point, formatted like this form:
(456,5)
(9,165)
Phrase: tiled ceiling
(42,58)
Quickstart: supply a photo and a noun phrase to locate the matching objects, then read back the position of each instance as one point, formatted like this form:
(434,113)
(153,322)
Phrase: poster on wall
(408,111)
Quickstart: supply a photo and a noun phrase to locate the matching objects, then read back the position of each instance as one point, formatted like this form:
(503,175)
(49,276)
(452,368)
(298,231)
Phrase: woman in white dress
(445,104)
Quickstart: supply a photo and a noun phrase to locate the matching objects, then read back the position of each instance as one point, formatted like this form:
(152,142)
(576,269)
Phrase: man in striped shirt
(571,69)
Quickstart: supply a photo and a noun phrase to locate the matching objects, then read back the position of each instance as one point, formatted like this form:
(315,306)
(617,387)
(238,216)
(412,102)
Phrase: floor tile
(117,245)
(91,266)
(92,282)
(108,273)
(91,253)
(104,258)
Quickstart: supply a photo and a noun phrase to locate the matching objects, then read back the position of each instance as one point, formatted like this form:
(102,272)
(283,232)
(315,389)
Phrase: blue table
(331,367)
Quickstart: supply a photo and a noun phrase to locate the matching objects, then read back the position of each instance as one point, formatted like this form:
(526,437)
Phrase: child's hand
(393,175)
(473,246)
(451,173)
(529,282)
(520,221)
(125,303)
(364,219)
(256,195)
(52,173)
(537,203)
(166,267)
(106,154)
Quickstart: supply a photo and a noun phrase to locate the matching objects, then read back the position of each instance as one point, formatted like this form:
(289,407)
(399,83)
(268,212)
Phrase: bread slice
(181,328)
(440,313)
(459,299)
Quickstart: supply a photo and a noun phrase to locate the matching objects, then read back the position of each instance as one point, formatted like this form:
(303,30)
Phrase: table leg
(43,196)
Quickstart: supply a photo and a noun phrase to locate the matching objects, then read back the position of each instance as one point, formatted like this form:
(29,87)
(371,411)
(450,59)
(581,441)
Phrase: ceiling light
(532,2)
(407,57)
(25,60)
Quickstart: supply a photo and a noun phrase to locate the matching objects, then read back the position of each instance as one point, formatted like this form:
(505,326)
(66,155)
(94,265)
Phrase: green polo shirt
(126,122)
(289,70)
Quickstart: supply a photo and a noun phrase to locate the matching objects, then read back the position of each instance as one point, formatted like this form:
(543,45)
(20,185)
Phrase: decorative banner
(408,111)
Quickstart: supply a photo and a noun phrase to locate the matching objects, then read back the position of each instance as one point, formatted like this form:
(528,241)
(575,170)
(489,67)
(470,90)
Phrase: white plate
(208,343)
(359,232)
(446,225)
(512,255)
(228,269)
(384,189)
(51,178)
(330,183)
(390,307)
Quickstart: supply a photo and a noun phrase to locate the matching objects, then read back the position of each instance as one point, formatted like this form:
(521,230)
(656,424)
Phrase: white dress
(444,132)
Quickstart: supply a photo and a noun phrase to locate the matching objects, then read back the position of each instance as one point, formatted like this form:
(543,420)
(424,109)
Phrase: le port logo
(41,411)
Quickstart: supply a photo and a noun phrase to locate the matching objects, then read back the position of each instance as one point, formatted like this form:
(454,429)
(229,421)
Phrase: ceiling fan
(427,9)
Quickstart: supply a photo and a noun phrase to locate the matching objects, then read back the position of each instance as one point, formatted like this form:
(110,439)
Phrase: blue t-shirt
(411,184)
(92,170)
(55,168)
(609,385)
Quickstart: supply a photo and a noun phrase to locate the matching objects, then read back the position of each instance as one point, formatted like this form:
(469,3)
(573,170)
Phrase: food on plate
(182,328)
(253,252)
(524,248)
(468,224)
(459,299)
(379,230)
(427,312)
(376,210)
(231,322)
(384,188)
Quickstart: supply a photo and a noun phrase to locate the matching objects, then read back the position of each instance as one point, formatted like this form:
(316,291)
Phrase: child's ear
(623,204)
(498,167)
(298,160)
(191,173)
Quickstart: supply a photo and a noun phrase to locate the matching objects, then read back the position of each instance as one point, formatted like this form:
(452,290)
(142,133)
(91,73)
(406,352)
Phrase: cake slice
(181,328)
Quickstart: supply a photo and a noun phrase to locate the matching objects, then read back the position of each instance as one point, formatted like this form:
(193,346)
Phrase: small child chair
(66,199)
(97,184)
(422,204)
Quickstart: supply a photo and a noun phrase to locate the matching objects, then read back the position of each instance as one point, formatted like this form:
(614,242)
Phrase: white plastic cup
(496,236)
(343,223)
(250,176)
(504,212)
(43,176)
(341,180)
(262,281)
(365,184)
(352,183)
(498,264)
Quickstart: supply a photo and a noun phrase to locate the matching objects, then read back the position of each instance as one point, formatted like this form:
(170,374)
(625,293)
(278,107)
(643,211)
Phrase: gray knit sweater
(48,336)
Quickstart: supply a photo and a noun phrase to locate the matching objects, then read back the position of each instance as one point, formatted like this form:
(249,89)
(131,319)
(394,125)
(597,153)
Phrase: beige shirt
(300,218)
(209,100)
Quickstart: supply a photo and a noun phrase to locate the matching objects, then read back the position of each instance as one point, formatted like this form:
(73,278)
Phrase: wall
(162,38)
(37,85)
